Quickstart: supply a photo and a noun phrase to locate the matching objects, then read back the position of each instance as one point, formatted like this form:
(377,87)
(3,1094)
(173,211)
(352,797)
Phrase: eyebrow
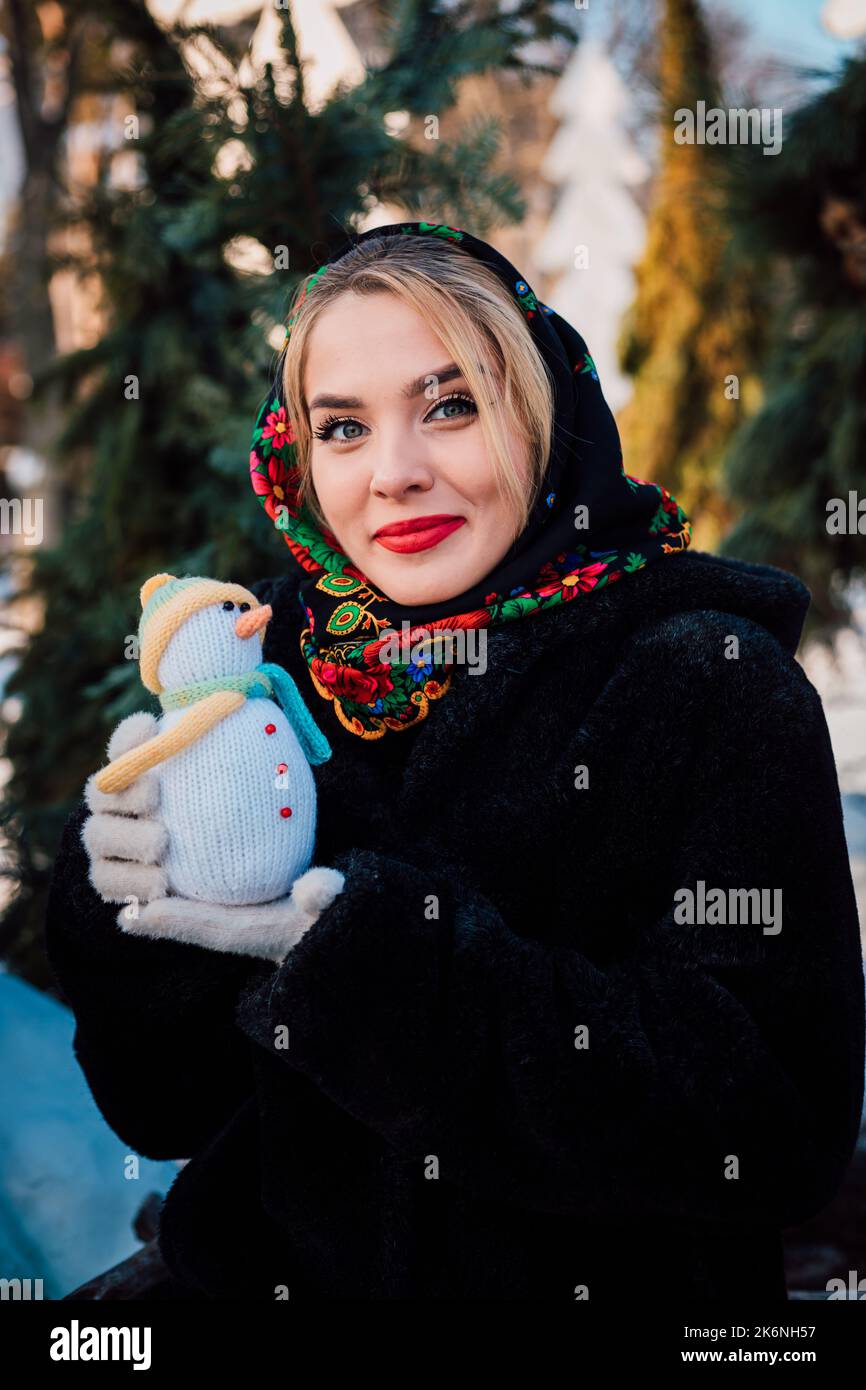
(450,372)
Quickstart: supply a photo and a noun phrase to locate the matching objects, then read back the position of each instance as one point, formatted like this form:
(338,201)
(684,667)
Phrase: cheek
(464,466)
(472,476)
(335,487)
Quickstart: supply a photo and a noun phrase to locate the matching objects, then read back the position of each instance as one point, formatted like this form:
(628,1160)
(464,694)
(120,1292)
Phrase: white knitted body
(221,796)
(220,801)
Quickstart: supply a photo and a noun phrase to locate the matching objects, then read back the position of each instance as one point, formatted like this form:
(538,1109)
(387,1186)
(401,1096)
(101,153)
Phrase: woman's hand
(125,842)
(123,835)
(269,930)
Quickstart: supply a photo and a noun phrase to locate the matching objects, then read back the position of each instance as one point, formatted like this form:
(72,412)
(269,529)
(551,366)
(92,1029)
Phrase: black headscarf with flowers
(345,620)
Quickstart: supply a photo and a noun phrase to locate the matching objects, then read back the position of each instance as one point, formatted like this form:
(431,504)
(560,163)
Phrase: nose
(398,467)
(250,623)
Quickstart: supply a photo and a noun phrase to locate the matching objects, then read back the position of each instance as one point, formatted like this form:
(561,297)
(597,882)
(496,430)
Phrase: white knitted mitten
(268,930)
(123,836)
(126,841)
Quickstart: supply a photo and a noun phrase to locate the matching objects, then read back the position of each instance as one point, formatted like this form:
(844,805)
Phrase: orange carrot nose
(251,622)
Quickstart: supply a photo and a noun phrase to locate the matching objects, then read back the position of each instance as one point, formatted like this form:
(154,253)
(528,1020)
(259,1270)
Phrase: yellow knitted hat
(166,603)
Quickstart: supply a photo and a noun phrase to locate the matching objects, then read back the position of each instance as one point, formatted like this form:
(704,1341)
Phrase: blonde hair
(478,322)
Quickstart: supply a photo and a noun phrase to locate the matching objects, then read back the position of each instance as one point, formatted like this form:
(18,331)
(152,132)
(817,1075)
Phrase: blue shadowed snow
(66,1209)
(854,811)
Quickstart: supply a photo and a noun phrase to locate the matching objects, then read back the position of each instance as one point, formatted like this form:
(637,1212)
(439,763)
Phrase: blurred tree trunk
(45,46)
(688,340)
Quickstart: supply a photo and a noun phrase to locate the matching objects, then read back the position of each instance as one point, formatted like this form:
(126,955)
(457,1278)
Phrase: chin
(414,591)
(414,596)
(420,579)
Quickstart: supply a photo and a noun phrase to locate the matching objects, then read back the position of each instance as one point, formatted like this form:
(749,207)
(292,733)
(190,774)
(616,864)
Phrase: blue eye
(325,430)
(327,427)
(456,398)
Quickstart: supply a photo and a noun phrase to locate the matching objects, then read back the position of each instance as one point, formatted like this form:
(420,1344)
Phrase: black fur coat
(512,1072)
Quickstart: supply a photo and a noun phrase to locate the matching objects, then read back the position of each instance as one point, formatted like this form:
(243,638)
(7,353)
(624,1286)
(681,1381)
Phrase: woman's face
(385,452)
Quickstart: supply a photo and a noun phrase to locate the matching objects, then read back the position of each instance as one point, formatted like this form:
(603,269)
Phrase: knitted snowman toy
(232,751)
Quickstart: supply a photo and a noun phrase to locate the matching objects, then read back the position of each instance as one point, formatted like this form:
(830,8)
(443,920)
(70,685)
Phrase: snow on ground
(839,676)
(66,1208)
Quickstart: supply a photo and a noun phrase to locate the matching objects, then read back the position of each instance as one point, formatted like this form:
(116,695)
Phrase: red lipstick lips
(417,533)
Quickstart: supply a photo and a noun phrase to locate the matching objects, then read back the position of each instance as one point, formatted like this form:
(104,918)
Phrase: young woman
(586,1021)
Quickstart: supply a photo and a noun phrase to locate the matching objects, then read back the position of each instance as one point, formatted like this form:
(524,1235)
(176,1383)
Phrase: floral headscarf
(346,622)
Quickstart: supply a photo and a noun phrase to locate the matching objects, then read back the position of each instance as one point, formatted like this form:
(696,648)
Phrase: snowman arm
(118,775)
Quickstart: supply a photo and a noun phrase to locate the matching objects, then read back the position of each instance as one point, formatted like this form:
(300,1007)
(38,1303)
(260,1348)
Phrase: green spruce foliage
(801,220)
(161,408)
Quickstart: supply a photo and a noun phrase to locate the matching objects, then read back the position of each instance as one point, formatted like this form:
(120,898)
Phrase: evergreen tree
(694,320)
(162,406)
(802,221)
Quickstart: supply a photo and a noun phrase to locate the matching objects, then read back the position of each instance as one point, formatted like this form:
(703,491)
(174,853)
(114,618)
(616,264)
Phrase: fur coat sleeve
(155,1034)
(695,1055)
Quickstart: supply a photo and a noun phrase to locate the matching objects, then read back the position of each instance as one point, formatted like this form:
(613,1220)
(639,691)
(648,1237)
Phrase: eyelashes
(326,429)
(330,423)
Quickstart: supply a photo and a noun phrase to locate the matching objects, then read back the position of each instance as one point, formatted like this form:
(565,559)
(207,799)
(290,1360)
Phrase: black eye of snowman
(228,605)
(244,607)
